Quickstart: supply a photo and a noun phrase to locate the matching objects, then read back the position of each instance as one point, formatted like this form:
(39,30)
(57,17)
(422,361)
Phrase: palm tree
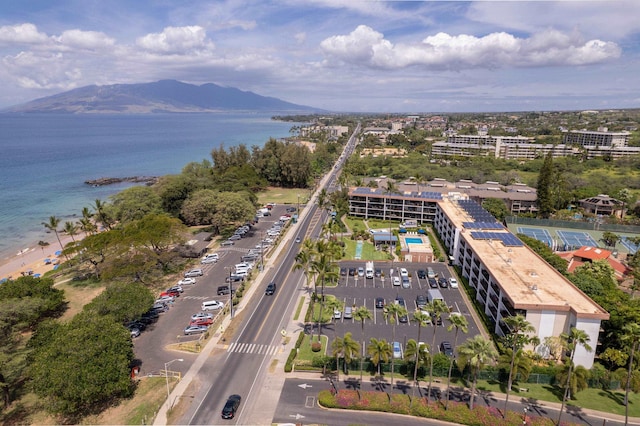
(361,314)
(459,323)
(101,212)
(573,340)
(304,259)
(390,189)
(52,225)
(324,268)
(631,337)
(391,313)
(520,363)
(420,318)
(579,378)
(71,229)
(418,353)
(345,346)
(436,308)
(87,226)
(379,351)
(516,340)
(477,352)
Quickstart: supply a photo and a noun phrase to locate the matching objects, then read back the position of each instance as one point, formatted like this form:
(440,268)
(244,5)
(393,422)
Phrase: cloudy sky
(340,55)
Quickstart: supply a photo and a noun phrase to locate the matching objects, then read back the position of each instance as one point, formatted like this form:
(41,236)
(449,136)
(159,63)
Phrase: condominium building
(510,279)
(600,138)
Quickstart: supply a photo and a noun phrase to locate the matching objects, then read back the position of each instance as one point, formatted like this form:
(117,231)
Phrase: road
(243,368)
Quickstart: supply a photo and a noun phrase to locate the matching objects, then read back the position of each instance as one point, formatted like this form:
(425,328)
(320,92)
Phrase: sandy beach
(32,258)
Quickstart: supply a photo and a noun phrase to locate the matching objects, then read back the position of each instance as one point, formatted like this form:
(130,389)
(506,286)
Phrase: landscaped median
(457,412)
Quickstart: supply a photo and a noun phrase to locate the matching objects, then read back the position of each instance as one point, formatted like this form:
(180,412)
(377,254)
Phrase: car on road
(443,282)
(453,283)
(231,406)
(271,289)
(187,281)
(201,315)
(298,239)
(446,348)
(396,281)
(379,302)
(422,274)
(194,273)
(195,329)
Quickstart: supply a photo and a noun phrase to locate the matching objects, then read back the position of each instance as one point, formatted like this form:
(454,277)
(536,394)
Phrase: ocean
(46,158)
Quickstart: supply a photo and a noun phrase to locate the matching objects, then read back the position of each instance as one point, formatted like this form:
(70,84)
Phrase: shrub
(288,366)
(300,339)
(316,347)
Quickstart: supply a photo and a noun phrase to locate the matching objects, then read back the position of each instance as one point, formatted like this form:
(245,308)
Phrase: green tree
(574,339)
(134,203)
(233,209)
(345,346)
(631,338)
(84,364)
(52,225)
(421,319)
(304,258)
(392,311)
(518,337)
(200,207)
(362,314)
(71,229)
(477,352)
(436,308)
(459,323)
(380,351)
(324,269)
(575,377)
(544,187)
(123,301)
(496,207)
(610,239)
(103,214)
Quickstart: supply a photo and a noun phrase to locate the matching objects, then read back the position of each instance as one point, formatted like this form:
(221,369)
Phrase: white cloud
(89,40)
(178,40)
(367,47)
(21,33)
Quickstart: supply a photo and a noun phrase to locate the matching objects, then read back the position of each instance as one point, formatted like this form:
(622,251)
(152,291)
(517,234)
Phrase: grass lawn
(327,314)
(284,196)
(368,251)
(305,354)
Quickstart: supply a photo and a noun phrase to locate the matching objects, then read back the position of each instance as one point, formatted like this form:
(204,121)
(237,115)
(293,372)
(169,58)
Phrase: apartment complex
(575,143)
(508,277)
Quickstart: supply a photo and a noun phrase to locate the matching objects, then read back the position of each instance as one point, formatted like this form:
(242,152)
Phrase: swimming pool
(411,240)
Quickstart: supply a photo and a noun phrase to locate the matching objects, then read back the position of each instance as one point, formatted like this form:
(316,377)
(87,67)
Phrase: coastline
(32,258)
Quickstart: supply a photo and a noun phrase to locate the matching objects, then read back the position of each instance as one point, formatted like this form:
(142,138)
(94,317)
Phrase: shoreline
(32,258)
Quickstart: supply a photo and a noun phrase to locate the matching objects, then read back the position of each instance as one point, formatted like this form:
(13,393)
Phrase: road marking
(252,348)
(310,402)
(296,416)
(305,386)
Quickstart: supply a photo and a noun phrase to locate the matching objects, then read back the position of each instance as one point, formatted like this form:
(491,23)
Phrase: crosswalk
(252,348)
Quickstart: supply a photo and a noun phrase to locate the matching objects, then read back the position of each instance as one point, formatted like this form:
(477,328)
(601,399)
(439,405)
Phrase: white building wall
(592,328)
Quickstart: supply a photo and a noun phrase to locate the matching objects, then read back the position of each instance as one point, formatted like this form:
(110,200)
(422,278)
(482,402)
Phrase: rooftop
(526,279)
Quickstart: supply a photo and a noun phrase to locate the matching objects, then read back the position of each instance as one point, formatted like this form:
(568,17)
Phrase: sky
(338,55)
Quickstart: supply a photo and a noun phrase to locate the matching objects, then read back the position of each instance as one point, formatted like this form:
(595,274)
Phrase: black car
(443,282)
(271,288)
(379,302)
(378,272)
(421,301)
(446,348)
(343,272)
(352,272)
(433,283)
(231,406)
(291,209)
(402,318)
(422,274)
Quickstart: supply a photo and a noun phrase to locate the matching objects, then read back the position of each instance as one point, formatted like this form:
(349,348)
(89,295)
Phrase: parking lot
(355,291)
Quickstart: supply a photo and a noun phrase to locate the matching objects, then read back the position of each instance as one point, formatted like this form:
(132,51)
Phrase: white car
(187,281)
(396,281)
(194,273)
(404,272)
(212,305)
(208,260)
(453,283)
(337,314)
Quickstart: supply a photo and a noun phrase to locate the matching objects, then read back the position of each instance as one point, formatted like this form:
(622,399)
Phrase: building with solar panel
(510,279)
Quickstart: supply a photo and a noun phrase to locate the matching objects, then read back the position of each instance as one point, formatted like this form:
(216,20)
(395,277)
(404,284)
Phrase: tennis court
(539,234)
(576,239)
(633,248)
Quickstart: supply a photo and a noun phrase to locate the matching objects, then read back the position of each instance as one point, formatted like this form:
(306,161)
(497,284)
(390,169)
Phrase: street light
(230,293)
(166,374)
(524,417)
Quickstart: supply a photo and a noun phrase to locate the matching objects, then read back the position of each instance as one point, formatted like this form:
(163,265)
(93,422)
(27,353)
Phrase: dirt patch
(77,297)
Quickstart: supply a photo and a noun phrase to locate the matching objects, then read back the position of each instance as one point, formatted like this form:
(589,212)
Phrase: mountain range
(158,97)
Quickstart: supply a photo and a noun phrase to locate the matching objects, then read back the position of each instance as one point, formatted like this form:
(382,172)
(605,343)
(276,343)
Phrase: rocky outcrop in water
(149,180)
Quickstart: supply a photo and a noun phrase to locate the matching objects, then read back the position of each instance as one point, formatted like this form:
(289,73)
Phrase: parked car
(233,279)
(231,406)
(201,315)
(291,209)
(442,282)
(404,272)
(343,272)
(187,281)
(170,292)
(361,271)
(195,329)
(421,301)
(194,273)
(433,283)
(227,243)
(202,321)
(446,348)
(422,274)
(234,237)
(177,288)
(211,305)
(271,289)
(337,314)
(135,332)
(352,272)
(379,302)
(405,282)
(208,260)
(396,281)
(377,273)
(397,350)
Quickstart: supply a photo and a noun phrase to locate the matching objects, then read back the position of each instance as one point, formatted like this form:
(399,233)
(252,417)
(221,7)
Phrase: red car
(172,293)
(201,321)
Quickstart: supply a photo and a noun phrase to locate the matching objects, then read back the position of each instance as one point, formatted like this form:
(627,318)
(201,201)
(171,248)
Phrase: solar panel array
(482,225)
(507,238)
(476,211)
(431,195)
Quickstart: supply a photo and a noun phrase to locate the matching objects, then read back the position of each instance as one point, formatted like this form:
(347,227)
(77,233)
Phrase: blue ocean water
(45,159)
